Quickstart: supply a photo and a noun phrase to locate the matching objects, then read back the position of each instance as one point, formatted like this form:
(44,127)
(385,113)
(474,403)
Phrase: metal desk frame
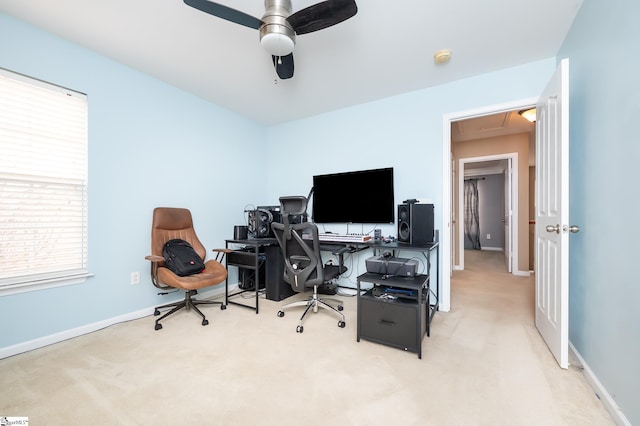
(256,243)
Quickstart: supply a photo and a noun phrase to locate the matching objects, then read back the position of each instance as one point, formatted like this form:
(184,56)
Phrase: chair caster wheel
(158,327)
(280,314)
(205,322)
(223,307)
(341,324)
(299,329)
(340,307)
(156,313)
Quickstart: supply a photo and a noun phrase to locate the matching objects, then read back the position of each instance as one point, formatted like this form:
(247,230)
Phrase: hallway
(492,319)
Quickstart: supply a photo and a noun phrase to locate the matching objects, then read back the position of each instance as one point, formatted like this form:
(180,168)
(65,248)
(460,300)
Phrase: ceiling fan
(279,27)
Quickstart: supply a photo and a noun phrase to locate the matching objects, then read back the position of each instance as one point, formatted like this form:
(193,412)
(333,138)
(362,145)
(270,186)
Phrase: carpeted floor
(484,364)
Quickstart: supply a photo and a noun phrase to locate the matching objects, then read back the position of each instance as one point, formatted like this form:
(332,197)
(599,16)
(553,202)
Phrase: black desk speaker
(415,223)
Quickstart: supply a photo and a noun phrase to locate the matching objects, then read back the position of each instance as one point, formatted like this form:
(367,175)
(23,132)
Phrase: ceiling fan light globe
(277,44)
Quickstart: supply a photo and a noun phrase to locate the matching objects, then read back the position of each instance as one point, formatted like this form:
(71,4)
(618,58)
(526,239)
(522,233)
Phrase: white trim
(7,290)
(445,235)
(90,328)
(491,248)
(484,171)
(601,392)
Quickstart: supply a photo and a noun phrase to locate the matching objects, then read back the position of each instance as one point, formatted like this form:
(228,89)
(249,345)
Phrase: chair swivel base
(314,303)
(188,303)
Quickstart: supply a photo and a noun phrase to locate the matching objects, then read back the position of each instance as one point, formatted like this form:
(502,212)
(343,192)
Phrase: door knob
(573,229)
(551,228)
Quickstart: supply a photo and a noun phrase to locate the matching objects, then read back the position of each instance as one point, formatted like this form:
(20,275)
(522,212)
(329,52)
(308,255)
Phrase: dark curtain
(471,215)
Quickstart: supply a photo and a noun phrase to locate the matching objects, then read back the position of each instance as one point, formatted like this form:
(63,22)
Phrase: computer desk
(252,260)
(250,254)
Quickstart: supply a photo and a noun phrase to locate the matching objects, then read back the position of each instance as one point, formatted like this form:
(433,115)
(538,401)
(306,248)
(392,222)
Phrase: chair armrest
(220,253)
(340,253)
(221,250)
(156,261)
(341,250)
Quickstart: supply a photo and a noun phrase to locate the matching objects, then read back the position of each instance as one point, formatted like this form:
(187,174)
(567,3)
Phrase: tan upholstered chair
(170,223)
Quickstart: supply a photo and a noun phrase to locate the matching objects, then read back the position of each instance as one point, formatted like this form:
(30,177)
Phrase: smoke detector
(442,56)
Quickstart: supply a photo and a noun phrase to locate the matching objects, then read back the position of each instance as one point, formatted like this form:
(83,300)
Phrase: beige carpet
(484,364)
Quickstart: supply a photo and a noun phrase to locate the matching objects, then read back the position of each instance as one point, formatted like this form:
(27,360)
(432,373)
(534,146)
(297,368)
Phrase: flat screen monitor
(364,196)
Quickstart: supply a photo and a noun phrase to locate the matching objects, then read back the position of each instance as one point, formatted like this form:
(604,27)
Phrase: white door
(552,214)
(508,215)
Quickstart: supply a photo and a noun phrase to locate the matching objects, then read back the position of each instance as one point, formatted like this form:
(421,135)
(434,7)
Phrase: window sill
(11,289)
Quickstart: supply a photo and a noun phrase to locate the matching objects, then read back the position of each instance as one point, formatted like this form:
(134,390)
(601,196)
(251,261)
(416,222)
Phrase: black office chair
(303,268)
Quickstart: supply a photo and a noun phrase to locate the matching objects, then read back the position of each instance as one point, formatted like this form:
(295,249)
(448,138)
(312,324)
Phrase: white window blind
(43,183)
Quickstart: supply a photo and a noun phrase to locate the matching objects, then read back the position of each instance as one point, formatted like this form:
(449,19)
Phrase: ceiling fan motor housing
(276,34)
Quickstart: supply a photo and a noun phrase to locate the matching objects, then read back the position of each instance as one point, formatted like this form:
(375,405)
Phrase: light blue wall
(149,145)
(404,132)
(604,318)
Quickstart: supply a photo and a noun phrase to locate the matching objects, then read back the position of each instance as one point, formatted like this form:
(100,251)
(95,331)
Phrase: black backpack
(181,258)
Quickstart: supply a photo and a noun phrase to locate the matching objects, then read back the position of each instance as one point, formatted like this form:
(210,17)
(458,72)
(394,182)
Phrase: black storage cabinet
(400,322)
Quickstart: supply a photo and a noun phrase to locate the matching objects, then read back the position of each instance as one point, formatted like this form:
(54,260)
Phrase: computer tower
(247,278)
(260,219)
(277,287)
(247,275)
(415,223)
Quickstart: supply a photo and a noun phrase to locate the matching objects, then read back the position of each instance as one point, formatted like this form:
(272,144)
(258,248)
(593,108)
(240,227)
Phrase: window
(43,184)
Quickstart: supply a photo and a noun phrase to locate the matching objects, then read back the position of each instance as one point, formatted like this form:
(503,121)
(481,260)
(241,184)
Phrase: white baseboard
(604,396)
(492,248)
(69,334)
(90,328)
(522,273)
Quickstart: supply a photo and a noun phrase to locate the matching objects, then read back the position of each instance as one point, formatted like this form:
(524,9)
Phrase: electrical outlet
(135,278)
(488,236)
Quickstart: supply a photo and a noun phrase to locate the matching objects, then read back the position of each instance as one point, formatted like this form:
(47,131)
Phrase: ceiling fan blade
(322,15)
(283,65)
(225,13)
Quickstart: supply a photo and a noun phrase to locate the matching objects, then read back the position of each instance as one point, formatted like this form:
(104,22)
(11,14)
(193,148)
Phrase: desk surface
(398,245)
(255,241)
(391,245)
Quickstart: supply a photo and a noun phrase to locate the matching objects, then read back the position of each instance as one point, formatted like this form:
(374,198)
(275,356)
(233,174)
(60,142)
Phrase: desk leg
(437,277)
(358,310)
(257,276)
(428,307)
(226,280)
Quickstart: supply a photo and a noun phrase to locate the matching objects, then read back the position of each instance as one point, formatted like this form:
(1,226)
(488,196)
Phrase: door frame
(513,228)
(447,219)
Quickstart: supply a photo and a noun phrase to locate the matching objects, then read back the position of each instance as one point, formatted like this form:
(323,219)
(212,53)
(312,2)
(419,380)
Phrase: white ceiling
(386,49)
(489,126)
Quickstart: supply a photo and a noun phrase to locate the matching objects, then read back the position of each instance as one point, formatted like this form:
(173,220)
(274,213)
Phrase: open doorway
(487,203)
(448,246)
(496,146)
